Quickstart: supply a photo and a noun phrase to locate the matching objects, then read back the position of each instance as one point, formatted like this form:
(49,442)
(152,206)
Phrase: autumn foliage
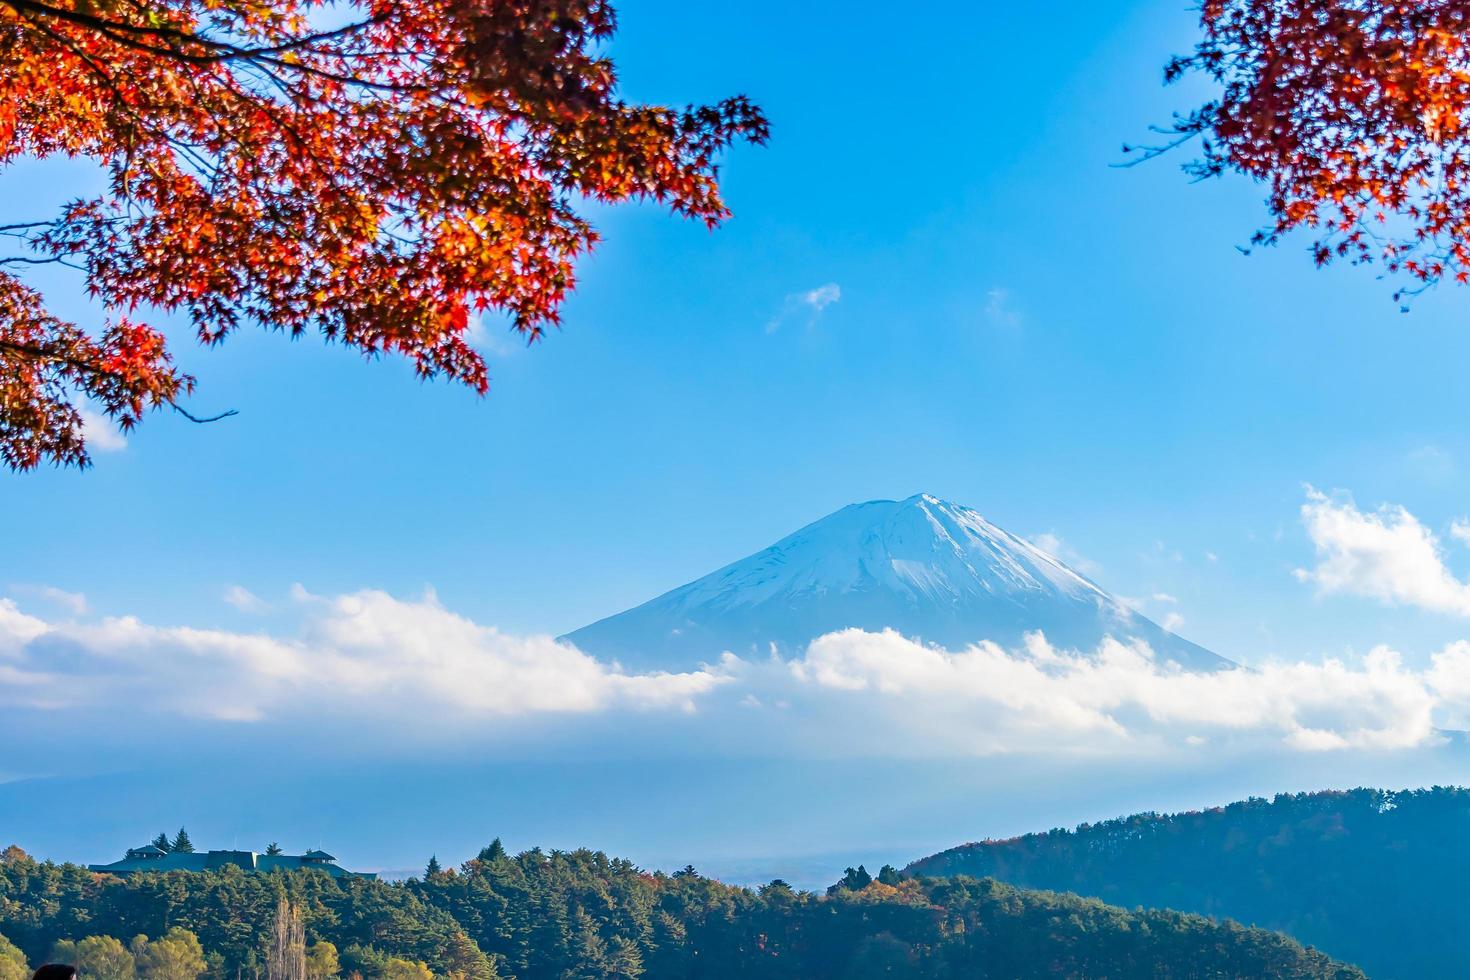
(1354,113)
(379,172)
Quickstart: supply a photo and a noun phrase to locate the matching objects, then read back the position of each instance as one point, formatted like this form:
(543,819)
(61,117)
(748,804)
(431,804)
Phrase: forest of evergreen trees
(1373,877)
(583,915)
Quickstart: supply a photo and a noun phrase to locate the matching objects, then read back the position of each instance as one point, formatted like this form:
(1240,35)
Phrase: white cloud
(73,602)
(366,653)
(1386,555)
(1160,607)
(822,297)
(501,341)
(367,662)
(810,302)
(1052,544)
(1460,530)
(1431,463)
(244,600)
(1038,697)
(999,310)
(100,432)
(1047,541)
(17,629)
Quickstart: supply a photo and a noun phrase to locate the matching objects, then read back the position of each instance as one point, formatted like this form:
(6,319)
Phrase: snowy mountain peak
(924,566)
(923,547)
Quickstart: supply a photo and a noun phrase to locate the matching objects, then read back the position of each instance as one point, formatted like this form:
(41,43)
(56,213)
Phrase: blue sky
(1065,346)
(936,280)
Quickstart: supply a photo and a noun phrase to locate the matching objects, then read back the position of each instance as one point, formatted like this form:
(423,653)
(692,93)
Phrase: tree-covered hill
(583,915)
(1376,878)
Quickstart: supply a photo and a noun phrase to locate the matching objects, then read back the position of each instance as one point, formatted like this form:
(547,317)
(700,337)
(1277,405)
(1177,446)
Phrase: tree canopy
(1316,866)
(1354,114)
(378,171)
(583,914)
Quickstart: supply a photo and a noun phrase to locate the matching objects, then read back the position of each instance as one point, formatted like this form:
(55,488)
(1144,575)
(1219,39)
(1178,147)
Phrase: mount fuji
(929,569)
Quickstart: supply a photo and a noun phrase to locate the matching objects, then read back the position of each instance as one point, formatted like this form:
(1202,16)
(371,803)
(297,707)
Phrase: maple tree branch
(226,50)
(35,353)
(196,419)
(53,260)
(223,51)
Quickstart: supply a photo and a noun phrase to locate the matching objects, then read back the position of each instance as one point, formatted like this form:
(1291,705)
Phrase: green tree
(401,969)
(162,842)
(176,956)
(889,875)
(363,961)
(853,879)
(624,958)
(581,915)
(322,962)
(12,962)
(182,844)
(494,852)
(433,867)
(464,960)
(273,848)
(96,958)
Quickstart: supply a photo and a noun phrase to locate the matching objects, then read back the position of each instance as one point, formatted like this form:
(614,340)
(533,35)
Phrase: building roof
(155,860)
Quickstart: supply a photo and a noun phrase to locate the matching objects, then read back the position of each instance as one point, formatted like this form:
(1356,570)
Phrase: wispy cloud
(244,600)
(1160,607)
(1052,544)
(809,303)
(1385,554)
(100,432)
(73,602)
(1000,310)
(1431,463)
(500,341)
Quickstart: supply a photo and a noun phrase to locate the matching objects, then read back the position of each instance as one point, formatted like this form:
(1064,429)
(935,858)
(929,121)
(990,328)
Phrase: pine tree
(495,852)
(853,879)
(433,868)
(273,848)
(182,844)
(162,842)
(889,875)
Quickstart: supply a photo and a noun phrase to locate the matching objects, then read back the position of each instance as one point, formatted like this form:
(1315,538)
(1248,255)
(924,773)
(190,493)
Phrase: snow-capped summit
(928,568)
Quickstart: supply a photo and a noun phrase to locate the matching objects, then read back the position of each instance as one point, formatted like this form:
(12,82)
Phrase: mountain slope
(923,566)
(1373,877)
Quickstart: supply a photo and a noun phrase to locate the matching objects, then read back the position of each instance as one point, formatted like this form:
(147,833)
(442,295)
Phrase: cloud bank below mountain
(367,665)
